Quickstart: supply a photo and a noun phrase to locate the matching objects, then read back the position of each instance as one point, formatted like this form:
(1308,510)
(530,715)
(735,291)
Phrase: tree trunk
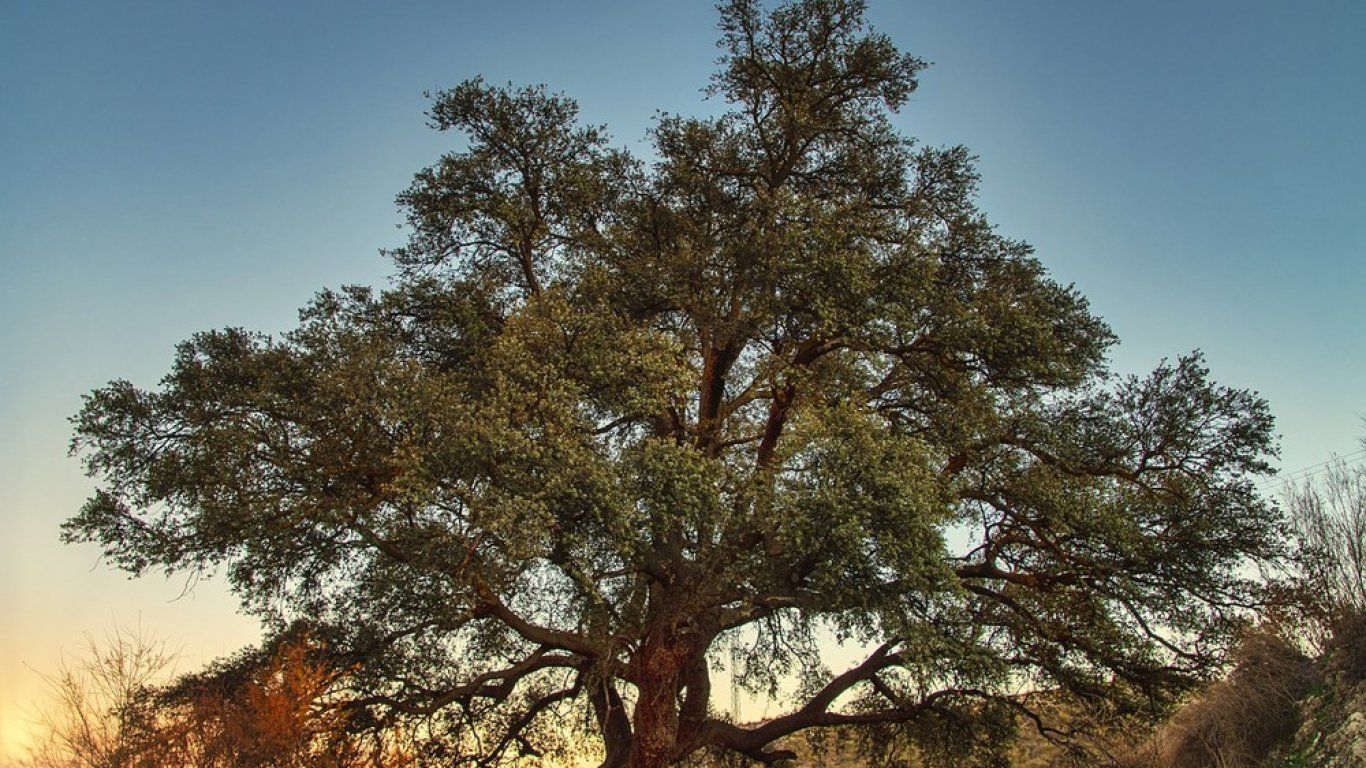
(615,726)
(658,666)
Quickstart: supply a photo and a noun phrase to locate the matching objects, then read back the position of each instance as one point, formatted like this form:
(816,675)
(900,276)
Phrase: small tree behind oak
(614,418)
(1329,516)
(274,707)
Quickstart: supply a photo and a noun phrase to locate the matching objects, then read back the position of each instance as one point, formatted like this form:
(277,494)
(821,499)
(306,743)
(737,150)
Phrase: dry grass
(1238,721)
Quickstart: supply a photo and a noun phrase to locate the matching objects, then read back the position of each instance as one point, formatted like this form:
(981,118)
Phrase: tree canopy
(616,418)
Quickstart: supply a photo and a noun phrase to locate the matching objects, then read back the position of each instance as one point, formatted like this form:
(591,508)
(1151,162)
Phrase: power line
(1351,458)
(1304,473)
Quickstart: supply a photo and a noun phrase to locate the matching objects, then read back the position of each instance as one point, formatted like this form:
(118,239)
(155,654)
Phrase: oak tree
(779,383)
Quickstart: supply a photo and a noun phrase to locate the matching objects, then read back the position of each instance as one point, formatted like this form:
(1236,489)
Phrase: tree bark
(610,711)
(658,670)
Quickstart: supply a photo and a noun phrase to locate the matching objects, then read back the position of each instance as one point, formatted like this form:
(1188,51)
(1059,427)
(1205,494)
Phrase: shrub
(1237,721)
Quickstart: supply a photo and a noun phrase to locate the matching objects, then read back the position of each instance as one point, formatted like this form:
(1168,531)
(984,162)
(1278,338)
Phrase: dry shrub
(271,708)
(1237,721)
(1346,651)
(85,724)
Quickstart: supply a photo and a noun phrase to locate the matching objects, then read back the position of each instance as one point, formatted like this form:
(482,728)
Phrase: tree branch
(491,605)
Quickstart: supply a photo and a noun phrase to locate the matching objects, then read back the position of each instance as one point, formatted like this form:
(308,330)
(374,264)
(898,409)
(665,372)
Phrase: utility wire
(1304,473)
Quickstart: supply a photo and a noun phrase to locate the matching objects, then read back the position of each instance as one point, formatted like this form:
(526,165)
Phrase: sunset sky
(1196,169)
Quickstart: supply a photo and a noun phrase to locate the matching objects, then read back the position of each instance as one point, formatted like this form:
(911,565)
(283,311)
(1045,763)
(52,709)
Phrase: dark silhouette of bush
(1346,651)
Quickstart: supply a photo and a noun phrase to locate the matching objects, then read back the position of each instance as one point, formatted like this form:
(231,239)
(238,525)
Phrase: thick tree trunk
(656,718)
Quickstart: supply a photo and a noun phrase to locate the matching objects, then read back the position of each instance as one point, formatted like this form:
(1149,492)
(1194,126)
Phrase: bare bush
(91,698)
(1346,652)
(1328,513)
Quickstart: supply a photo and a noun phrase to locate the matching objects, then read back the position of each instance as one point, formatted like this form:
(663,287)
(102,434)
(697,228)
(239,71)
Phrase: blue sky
(1196,168)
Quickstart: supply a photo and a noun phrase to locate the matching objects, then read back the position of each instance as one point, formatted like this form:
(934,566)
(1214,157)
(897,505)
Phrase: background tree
(1328,512)
(272,707)
(613,419)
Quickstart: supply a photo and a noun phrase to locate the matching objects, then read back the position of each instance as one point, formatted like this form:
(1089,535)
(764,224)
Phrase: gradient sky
(1197,169)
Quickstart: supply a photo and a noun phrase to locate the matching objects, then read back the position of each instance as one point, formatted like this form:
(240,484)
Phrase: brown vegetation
(1238,721)
(275,708)
(85,723)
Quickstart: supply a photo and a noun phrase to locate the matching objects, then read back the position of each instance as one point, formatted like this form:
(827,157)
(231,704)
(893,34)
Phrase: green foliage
(612,418)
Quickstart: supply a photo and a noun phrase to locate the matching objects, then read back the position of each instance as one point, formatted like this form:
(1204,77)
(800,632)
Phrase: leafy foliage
(612,418)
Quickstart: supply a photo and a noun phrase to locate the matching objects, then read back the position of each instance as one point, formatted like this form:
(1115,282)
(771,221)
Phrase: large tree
(616,420)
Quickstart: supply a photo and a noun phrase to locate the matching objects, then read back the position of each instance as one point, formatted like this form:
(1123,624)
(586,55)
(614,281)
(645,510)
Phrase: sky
(1196,169)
